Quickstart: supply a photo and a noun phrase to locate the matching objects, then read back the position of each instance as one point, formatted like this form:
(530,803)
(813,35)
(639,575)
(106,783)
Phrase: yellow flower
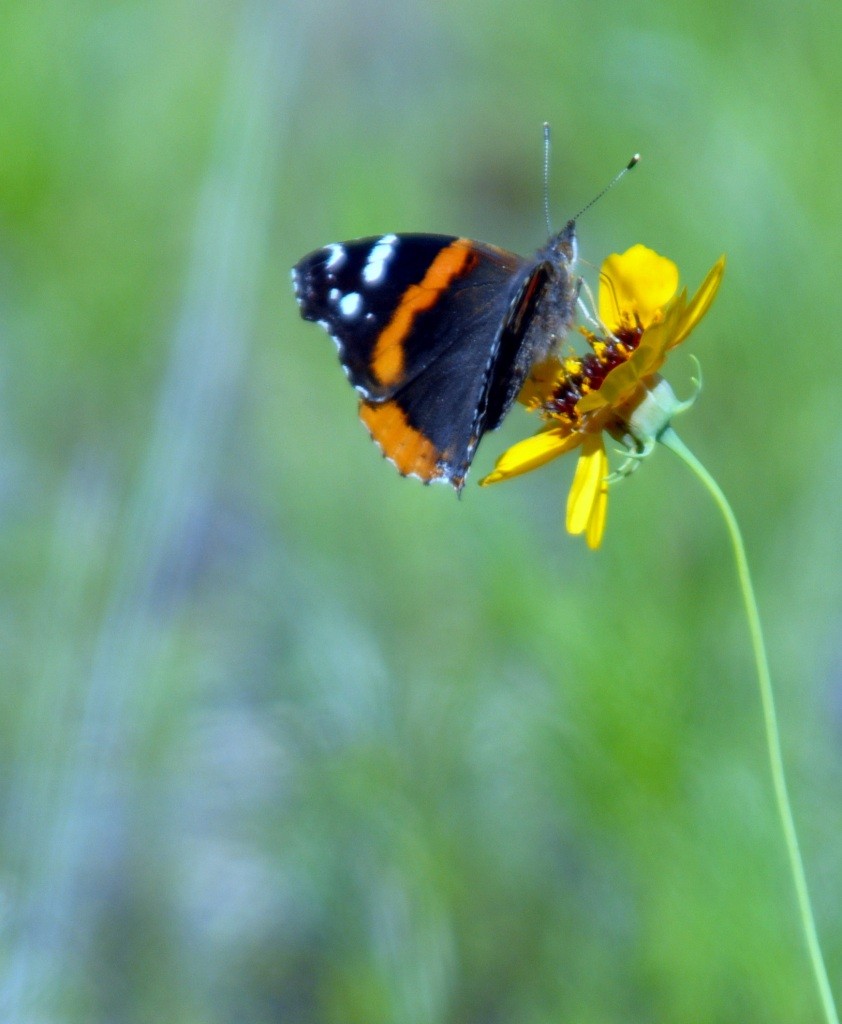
(614,388)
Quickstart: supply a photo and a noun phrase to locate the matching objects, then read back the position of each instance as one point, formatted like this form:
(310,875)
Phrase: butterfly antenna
(547,176)
(621,174)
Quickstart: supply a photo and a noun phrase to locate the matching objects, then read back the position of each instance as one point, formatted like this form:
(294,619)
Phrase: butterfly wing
(430,330)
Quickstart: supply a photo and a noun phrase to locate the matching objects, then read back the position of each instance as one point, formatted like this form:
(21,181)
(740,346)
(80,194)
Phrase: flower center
(583,374)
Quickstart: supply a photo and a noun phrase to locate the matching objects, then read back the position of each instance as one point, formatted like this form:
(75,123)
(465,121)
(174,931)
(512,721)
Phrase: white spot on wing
(350,304)
(336,257)
(375,267)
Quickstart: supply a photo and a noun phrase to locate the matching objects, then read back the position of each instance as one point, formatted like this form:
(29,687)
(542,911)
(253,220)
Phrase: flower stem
(672,441)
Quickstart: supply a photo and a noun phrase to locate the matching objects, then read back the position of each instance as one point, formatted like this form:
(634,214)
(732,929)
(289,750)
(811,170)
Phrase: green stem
(672,441)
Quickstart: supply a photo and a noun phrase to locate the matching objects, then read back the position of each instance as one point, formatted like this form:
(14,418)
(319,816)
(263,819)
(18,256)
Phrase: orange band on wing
(407,447)
(387,359)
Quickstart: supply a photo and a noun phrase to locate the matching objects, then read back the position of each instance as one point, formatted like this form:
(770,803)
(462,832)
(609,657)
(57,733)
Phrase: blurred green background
(288,738)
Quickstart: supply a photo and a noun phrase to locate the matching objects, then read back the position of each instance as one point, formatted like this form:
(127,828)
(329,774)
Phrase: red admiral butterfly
(438,334)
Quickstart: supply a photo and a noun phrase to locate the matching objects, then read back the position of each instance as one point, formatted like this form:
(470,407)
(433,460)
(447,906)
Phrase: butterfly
(438,334)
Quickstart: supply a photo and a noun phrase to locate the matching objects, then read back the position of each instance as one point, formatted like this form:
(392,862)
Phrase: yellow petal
(591,403)
(700,303)
(635,286)
(650,354)
(622,382)
(596,523)
(588,482)
(531,453)
(542,379)
(678,319)
(616,389)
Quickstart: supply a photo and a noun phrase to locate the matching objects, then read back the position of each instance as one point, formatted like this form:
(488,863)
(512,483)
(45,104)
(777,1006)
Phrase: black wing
(430,329)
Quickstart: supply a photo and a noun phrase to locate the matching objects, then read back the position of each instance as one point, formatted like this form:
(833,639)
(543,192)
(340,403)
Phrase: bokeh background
(285,737)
